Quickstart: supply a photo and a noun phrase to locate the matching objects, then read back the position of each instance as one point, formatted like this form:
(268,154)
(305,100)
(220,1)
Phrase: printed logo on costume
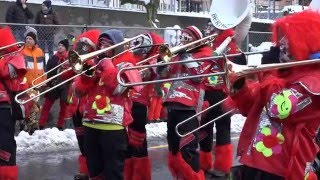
(106,111)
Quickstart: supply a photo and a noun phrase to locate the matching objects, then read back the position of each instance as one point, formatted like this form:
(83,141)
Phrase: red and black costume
(107,110)
(182,101)
(214,92)
(282,110)
(85,43)
(58,93)
(137,164)
(12,80)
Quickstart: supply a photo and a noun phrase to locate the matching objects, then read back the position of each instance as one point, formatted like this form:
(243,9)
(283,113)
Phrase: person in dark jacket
(47,16)
(19,13)
(58,93)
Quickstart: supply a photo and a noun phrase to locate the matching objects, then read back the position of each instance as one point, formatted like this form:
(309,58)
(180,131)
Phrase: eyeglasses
(185,37)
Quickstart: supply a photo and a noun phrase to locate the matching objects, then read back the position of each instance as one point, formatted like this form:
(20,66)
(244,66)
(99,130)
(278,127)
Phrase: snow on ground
(52,140)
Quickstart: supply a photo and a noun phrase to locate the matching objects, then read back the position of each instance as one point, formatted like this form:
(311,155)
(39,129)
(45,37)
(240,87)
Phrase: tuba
(228,14)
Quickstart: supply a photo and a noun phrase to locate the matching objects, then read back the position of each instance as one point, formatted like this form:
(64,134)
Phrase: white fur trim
(88,41)
(197,30)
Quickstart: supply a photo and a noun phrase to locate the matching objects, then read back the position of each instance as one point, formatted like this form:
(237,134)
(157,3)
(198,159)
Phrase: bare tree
(151,8)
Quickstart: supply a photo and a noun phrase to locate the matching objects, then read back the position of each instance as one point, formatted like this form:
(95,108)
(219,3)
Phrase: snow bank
(53,140)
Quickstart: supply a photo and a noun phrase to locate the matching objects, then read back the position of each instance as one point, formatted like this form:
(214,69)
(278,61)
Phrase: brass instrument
(76,62)
(166,53)
(233,72)
(20,46)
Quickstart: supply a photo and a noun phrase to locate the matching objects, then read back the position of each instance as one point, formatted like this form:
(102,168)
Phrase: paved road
(63,165)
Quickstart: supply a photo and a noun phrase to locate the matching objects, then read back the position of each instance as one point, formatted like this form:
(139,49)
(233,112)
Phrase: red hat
(90,37)
(7,38)
(193,31)
(302,32)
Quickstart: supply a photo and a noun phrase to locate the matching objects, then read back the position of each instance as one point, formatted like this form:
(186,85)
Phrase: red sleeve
(83,84)
(242,101)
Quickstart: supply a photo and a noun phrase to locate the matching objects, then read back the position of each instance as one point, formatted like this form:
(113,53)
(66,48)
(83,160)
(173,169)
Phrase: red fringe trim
(9,172)
(83,168)
(180,169)
(206,162)
(223,158)
(128,169)
(141,168)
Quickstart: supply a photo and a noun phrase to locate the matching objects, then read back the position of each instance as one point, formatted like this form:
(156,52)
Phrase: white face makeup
(185,38)
(284,50)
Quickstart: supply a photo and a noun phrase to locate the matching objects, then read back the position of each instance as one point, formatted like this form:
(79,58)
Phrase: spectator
(58,93)
(19,13)
(47,16)
(34,56)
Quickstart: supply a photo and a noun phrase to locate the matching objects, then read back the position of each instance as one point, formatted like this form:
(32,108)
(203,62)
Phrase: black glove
(90,72)
(160,68)
(272,56)
(242,59)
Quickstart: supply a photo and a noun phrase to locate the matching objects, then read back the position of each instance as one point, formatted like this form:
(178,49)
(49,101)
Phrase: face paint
(284,50)
(185,38)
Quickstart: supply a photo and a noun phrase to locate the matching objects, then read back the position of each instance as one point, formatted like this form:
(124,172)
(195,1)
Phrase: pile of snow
(46,140)
(53,140)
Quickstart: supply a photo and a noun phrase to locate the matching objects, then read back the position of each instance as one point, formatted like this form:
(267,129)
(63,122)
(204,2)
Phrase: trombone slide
(199,113)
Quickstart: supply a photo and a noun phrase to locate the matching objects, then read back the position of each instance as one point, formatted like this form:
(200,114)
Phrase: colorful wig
(90,37)
(7,38)
(302,31)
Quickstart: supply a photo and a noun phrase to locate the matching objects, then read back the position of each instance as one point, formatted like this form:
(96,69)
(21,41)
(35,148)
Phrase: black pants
(139,115)
(8,146)
(189,149)
(222,125)
(77,123)
(249,173)
(105,152)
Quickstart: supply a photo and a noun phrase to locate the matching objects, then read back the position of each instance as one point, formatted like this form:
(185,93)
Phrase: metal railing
(50,35)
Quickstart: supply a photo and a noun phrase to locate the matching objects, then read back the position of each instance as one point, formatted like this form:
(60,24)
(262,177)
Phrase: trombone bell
(165,54)
(75,61)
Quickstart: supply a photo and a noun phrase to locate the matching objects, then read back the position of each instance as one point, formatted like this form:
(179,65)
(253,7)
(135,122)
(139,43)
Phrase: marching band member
(108,108)
(182,101)
(282,110)
(85,43)
(12,76)
(60,92)
(213,94)
(137,164)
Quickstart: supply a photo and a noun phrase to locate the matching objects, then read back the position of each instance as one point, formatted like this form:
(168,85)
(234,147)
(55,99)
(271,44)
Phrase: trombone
(65,62)
(234,72)
(199,113)
(76,62)
(20,46)
(177,62)
(166,53)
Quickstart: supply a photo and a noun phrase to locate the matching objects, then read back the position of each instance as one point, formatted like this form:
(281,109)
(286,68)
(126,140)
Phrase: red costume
(84,44)
(137,164)
(215,88)
(107,109)
(283,109)
(182,101)
(12,74)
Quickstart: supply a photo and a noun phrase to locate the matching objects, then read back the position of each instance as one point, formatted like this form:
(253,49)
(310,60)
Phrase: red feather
(302,31)
(7,38)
